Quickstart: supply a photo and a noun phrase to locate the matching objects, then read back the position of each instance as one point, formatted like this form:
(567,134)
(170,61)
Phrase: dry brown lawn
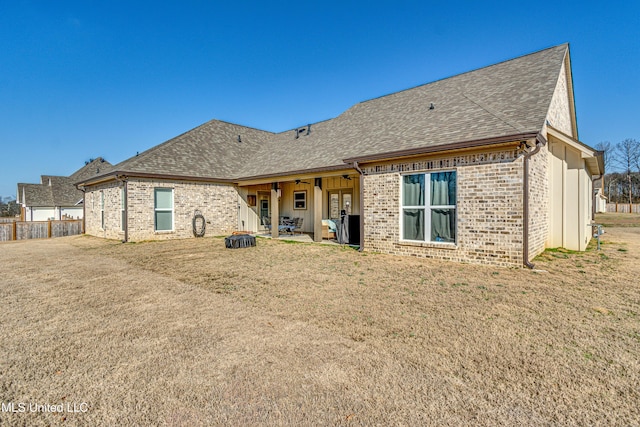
(187,333)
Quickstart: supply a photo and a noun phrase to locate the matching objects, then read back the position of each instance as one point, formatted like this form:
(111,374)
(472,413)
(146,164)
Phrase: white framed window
(428,207)
(102,209)
(122,210)
(300,199)
(163,205)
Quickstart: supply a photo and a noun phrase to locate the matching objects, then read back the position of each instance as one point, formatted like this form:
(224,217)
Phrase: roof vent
(239,139)
(432,106)
(303,131)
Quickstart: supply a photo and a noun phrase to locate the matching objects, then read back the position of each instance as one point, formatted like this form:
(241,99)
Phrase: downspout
(540,141)
(126,210)
(84,207)
(356,167)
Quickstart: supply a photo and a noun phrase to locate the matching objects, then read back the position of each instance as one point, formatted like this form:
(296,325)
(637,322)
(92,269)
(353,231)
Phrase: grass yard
(618,220)
(185,333)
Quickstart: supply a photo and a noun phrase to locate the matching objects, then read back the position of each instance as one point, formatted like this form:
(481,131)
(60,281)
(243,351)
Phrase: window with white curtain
(429,207)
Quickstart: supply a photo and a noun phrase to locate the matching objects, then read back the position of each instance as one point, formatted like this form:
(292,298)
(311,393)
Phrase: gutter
(356,167)
(117,174)
(540,141)
(463,145)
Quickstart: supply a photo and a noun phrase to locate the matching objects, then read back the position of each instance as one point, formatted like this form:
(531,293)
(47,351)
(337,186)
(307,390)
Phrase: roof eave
(118,174)
(593,157)
(320,170)
(462,145)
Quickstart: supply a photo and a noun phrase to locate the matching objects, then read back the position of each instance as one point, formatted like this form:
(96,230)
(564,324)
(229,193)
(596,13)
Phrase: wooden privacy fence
(21,230)
(623,207)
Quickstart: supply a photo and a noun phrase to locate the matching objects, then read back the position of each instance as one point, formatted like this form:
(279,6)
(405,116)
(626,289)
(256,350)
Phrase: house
(482,167)
(56,197)
(600,201)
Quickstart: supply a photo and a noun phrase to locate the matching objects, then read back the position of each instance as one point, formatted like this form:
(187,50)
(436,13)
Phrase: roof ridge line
(463,73)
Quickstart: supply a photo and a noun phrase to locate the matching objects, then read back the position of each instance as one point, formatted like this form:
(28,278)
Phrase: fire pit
(239,241)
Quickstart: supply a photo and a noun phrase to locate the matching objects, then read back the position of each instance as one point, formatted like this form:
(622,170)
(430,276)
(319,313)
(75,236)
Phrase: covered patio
(317,206)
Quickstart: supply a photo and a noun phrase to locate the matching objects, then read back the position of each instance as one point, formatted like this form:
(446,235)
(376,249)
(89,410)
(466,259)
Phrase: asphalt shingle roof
(512,97)
(61,190)
(210,150)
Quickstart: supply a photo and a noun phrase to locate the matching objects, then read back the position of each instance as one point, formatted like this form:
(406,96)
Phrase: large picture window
(163,209)
(429,207)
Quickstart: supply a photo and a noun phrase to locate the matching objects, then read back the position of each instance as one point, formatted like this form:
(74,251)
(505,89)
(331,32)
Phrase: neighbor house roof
(505,100)
(60,190)
(92,168)
(35,195)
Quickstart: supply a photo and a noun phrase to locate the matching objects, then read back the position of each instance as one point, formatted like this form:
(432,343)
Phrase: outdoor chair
(266,221)
(297,225)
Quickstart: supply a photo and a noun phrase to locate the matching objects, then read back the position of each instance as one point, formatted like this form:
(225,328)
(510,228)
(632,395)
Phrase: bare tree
(626,158)
(607,149)
(8,206)
(636,158)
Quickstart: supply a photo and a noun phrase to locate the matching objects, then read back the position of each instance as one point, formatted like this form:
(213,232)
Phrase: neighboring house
(56,197)
(484,167)
(600,201)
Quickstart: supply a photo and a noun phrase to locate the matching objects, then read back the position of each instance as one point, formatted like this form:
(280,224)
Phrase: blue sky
(82,79)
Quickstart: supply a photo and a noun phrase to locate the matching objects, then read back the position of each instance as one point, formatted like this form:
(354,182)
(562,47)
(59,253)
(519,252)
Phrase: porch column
(275,211)
(317,210)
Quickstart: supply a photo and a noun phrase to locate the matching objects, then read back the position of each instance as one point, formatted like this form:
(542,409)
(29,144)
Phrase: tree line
(8,207)
(622,185)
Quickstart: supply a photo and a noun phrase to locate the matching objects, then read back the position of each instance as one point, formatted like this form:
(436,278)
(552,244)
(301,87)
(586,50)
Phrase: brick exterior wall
(489,209)
(217,202)
(112,215)
(539,202)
